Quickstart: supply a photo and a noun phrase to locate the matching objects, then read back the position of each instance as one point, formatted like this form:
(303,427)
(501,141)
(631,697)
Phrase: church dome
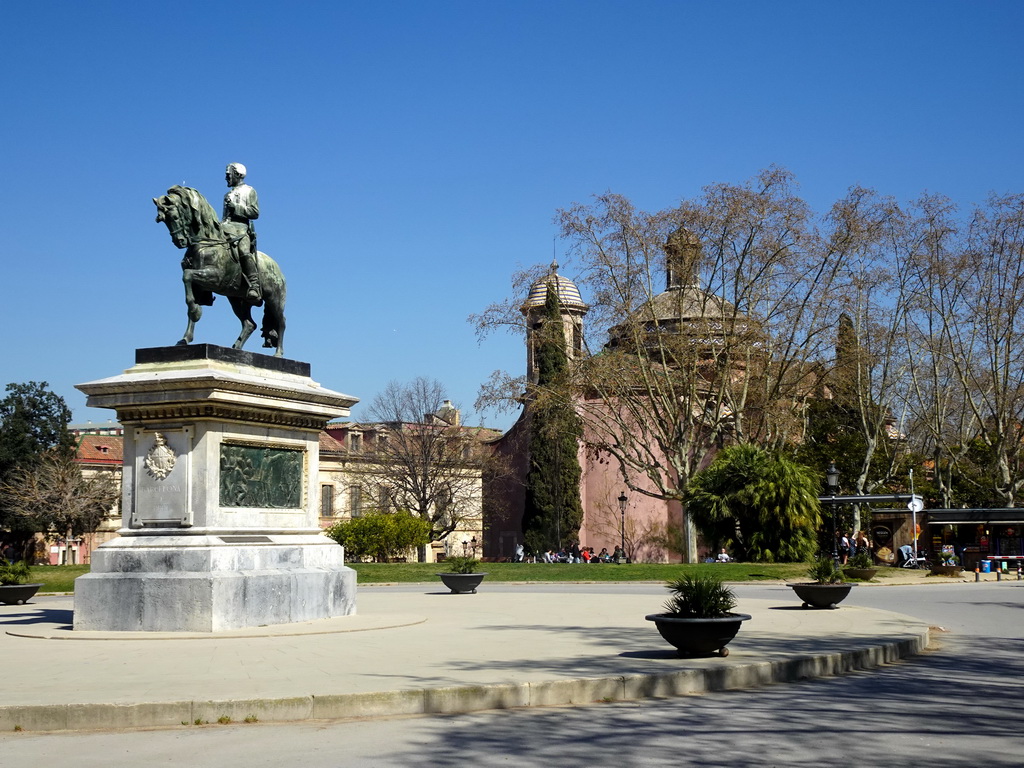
(684,309)
(566,290)
(686,304)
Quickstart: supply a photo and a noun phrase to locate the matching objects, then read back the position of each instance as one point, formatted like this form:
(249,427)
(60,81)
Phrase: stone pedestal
(219,497)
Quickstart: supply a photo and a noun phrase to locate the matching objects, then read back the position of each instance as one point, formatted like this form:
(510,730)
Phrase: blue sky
(410,155)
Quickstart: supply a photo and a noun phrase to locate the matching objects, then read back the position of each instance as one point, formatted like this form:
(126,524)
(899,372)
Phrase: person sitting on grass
(723,556)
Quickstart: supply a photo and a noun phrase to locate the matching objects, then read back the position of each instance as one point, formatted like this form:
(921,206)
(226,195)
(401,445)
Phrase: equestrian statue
(221,258)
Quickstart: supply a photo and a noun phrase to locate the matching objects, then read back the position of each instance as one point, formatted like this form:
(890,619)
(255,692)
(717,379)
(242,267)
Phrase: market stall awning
(869,498)
(1004,516)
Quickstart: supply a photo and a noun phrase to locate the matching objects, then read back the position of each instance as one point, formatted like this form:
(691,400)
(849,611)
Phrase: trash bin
(986,566)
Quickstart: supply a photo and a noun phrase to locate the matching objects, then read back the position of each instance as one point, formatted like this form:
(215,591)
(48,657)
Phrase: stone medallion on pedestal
(219,496)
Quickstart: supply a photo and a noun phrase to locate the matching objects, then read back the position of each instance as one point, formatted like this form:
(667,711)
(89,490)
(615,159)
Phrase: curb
(455,699)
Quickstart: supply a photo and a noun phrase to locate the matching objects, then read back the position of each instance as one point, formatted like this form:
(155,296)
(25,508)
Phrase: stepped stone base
(206,584)
(220,496)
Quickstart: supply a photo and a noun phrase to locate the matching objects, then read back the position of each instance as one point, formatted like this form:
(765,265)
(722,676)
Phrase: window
(355,442)
(326,501)
(355,501)
(387,498)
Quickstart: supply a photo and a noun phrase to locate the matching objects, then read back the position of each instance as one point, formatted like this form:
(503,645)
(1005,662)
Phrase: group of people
(850,544)
(574,553)
(722,557)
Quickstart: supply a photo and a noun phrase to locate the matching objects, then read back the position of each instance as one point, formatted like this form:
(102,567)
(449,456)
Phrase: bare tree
(720,318)
(54,498)
(423,459)
(866,379)
(966,337)
(733,347)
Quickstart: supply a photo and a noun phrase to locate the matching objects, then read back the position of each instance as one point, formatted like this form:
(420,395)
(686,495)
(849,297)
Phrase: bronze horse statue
(209,267)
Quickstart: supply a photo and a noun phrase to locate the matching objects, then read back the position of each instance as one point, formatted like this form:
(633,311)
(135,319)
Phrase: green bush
(460,565)
(13,573)
(860,560)
(825,571)
(760,504)
(699,596)
(381,535)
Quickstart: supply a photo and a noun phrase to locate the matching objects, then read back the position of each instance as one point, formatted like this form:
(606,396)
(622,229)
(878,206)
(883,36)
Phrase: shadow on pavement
(61,617)
(932,710)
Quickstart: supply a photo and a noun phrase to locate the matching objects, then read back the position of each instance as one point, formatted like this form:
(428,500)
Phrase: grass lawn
(60,578)
(56,578)
(387,573)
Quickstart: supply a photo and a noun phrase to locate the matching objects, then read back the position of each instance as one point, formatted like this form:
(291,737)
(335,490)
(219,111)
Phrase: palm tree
(762,505)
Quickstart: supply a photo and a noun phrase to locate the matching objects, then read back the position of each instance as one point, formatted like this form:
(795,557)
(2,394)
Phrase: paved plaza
(418,649)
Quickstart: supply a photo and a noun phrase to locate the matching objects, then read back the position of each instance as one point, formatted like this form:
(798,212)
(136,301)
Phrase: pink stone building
(612,515)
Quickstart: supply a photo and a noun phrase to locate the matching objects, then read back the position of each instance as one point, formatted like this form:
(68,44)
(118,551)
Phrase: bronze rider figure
(241,208)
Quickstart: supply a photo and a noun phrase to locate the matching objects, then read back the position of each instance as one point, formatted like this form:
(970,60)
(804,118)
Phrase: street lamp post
(832,481)
(622,528)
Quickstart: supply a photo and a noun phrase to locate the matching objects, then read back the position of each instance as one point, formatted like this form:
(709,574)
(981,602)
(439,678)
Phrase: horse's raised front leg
(243,311)
(194,310)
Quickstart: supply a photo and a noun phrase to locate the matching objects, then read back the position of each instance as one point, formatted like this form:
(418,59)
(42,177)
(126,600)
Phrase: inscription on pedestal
(161,497)
(260,476)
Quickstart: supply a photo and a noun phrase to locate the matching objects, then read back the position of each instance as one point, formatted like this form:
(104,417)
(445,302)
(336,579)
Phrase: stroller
(905,558)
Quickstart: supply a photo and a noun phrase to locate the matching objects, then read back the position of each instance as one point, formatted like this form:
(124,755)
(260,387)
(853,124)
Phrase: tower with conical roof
(571,309)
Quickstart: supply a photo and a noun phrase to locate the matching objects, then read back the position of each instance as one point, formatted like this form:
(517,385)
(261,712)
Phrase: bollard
(1018,573)
(999,574)
(977,574)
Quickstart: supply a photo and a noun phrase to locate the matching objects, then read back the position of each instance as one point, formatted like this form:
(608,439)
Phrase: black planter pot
(946,570)
(12,594)
(822,595)
(462,582)
(698,637)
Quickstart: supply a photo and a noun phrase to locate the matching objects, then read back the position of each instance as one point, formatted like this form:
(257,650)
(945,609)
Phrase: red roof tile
(100,449)
(328,443)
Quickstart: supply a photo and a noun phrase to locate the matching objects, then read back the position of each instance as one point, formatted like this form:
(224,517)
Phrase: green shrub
(860,560)
(461,565)
(701,596)
(825,571)
(381,535)
(761,504)
(13,573)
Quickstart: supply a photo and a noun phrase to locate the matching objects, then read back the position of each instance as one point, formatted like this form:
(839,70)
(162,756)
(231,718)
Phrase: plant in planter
(14,588)
(860,567)
(698,618)
(948,565)
(462,575)
(827,590)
